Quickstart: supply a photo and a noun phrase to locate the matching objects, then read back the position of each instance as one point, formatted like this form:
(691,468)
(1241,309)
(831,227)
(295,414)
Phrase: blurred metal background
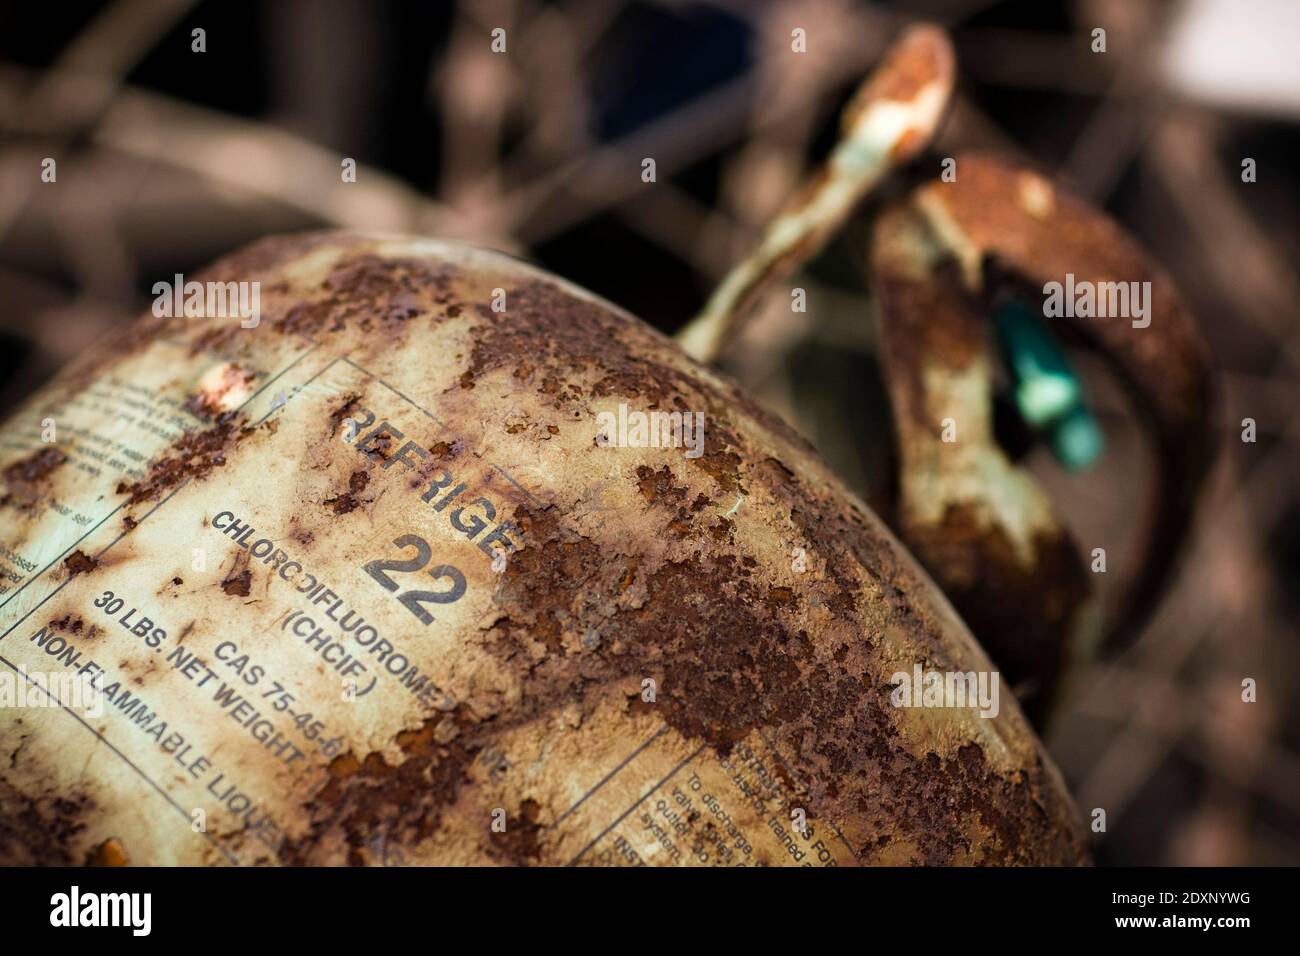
(168,158)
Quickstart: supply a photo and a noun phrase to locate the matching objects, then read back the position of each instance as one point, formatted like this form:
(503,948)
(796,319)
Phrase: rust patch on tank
(192,456)
(238,584)
(41,831)
(26,479)
(564,336)
(729,650)
(556,331)
(369,796)
(78,562)
(343,412)
(519,844)
(35,467)
(347,502)
(371,293)
(728,659)
(659,484)
(76,626)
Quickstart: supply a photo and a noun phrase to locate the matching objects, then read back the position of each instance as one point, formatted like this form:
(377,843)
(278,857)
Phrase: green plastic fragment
(1043,397)
(1048,393)
(1076,440)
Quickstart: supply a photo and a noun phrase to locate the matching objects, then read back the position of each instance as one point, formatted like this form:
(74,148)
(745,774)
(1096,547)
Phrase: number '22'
(414,600)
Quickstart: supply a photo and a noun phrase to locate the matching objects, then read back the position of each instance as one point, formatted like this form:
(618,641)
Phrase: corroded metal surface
(382,402)
(890,119)
(979,523)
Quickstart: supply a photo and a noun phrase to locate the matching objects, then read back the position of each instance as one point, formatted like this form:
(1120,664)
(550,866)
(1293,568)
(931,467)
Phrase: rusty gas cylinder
(384,575)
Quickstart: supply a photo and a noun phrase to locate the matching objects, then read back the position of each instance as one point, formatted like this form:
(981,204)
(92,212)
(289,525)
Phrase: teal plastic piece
(1048,393)
(1076,440)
